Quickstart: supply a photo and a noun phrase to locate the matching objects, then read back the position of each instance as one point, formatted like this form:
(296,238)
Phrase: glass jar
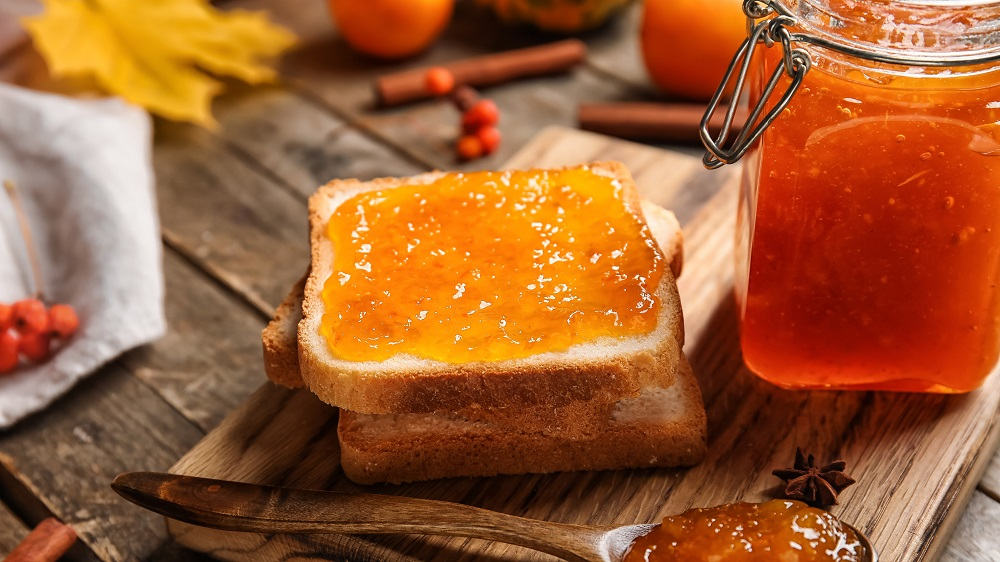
(869,231)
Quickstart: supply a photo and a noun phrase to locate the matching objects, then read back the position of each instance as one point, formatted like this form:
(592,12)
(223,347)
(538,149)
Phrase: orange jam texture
(488,266)
(784,530)
(875,258)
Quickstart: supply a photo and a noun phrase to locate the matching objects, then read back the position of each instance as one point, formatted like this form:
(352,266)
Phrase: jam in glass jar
(868,239)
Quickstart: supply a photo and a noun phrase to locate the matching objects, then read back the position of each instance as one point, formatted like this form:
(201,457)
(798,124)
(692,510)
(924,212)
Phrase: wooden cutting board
(917,458)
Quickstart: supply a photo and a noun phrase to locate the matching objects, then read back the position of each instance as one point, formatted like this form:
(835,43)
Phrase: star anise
(817,486)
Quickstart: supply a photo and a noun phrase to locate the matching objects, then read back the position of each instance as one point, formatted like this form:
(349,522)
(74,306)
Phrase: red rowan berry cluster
(28,330)
(480,116)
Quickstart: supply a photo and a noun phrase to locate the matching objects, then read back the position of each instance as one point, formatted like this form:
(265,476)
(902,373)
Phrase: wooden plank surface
(991,480)
(303,144)
(209,360)
(325,67)
(227,217)
(12,36)
(12,530)
(976,536)
(61,461)
(615,51)
(915,466)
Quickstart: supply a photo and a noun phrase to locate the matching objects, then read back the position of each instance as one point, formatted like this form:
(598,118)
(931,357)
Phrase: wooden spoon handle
(237,506)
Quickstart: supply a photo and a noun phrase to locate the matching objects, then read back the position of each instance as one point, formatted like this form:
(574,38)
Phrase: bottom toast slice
(662,427)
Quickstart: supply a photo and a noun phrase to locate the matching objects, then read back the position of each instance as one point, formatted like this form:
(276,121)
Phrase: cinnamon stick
(410,85)
(670,122)
(46,543)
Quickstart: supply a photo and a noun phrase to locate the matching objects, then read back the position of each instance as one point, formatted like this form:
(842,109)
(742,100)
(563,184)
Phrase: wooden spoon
(237,506)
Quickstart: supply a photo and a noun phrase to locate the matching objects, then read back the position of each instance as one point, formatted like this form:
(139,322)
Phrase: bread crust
(412,447)
(279,339)
(554,379)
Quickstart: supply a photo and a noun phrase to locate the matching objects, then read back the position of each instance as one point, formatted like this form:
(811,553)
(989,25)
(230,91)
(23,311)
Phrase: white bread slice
(601,371)
(661,427)
(279,337)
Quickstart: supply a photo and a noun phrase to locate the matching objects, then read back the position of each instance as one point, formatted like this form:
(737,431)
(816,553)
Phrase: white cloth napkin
(83,170)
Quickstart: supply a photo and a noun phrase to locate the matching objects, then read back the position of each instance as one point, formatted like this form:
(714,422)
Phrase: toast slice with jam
(575,420)
(362,240)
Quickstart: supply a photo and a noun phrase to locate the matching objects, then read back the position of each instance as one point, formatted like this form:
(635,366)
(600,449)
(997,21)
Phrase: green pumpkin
(561,16)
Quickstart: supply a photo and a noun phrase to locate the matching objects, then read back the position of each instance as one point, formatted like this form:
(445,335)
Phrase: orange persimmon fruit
(687,44)
(390,29)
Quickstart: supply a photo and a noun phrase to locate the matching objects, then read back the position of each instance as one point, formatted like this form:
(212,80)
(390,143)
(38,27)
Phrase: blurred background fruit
(562,16)
(687,44)
(391,29)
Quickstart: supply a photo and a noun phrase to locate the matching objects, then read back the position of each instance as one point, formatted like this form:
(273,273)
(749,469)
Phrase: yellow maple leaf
(158,53)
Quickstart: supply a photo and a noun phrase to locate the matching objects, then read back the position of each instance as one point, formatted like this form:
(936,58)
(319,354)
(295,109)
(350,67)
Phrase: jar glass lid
(773,23)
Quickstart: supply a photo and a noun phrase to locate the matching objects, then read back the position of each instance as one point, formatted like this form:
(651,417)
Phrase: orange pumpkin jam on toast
(489,266)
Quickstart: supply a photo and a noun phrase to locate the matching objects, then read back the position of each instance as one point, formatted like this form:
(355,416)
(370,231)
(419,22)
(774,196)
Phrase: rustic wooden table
(232,207)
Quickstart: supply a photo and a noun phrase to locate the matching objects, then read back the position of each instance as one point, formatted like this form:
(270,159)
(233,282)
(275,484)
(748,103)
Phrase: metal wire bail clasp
(796,63)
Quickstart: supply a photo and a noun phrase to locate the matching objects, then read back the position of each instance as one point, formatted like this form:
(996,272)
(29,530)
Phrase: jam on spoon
(777,530)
